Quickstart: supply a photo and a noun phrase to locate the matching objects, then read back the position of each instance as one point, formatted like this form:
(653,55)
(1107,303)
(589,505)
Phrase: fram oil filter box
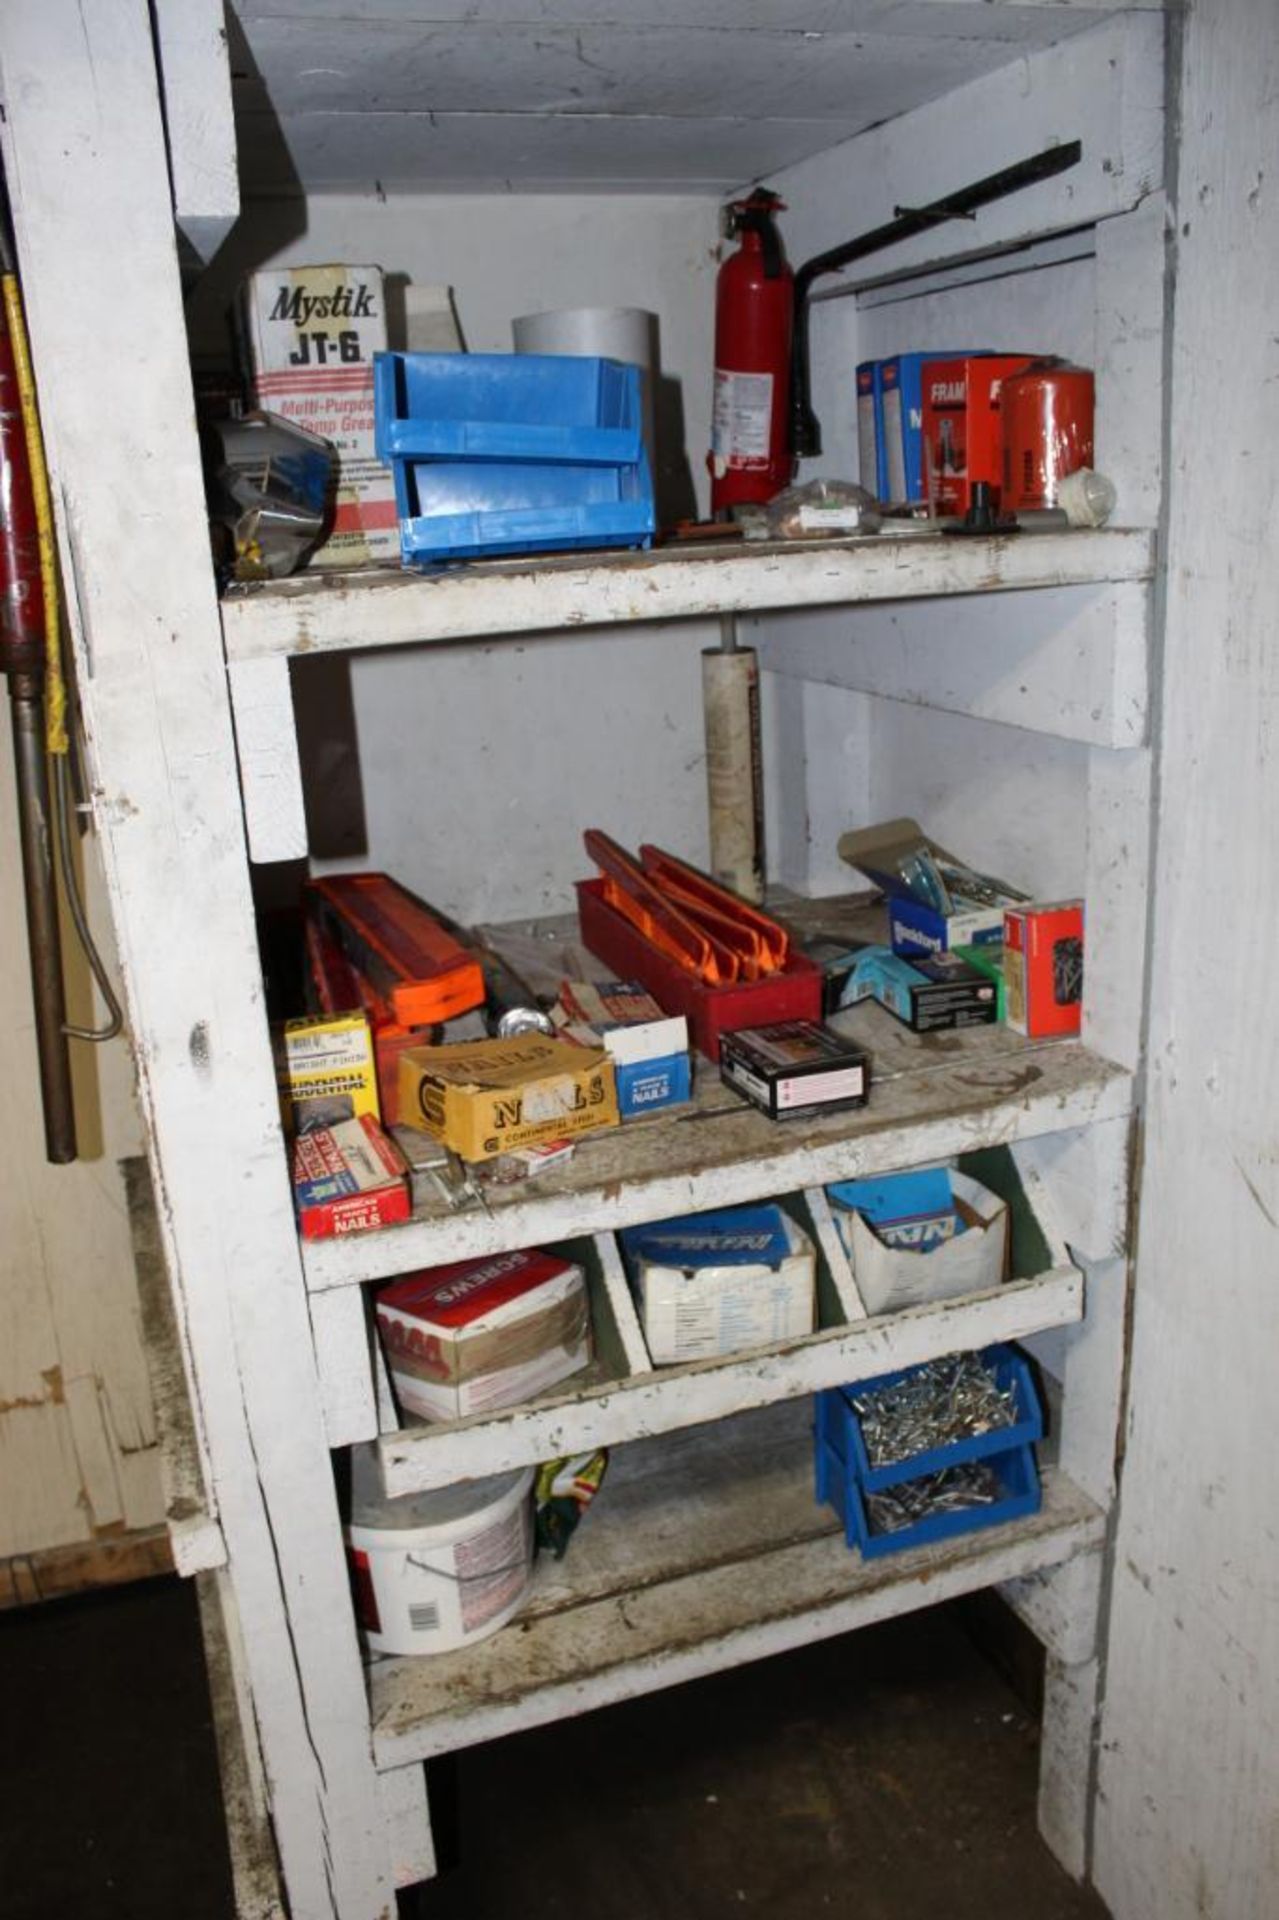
(479,1334)
(962,440)
(1044,968)
(311,334)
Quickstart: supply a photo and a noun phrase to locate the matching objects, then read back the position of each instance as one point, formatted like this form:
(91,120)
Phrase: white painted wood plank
(199,121)
(1070,662)
(1067,1761)
(1060,1606)
(1087,1175)
(670,1398)
(85,163)
(93,1450)
(406,1818)
(254,1865)
(982,1096)
(835,1254)
(384,608)
(744,16)
(1092,1378)
(1116,888)
(344,1362)
(1185,1814)
(267,748)
(714,1555)
(1128,363)
(388,1413)
(1104,88)
(617,69)
(626,1329)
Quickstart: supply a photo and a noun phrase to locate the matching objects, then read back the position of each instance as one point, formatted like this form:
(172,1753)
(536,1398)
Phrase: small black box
(794,1067)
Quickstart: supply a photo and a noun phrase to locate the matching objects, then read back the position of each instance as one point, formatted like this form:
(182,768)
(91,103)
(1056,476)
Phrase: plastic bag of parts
(269,484)
(817,510)
(562,1491)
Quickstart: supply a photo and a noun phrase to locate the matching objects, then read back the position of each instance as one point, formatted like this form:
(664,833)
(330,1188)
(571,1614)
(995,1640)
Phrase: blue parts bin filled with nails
(931,1451)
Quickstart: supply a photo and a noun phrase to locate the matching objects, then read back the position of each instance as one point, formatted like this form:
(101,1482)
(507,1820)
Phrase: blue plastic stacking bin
(498,453)
(839,1427)
(837,1487)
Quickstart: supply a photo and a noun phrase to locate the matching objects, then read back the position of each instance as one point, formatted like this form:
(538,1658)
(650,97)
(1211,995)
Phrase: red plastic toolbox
(794,993)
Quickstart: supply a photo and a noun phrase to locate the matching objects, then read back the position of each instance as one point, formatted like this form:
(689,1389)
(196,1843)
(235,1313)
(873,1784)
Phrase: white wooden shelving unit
(750,1565)
(191,739)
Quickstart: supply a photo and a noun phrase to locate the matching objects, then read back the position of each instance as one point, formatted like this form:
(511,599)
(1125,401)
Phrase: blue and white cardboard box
(901,381)
(889,1278)
(648,1047)
(704,1287)
(871,448)
(915,928)
(646,1086)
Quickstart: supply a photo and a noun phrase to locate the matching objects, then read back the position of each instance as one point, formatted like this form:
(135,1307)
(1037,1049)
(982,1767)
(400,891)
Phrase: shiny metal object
(523,1020)
(933,1405)
(972,1485)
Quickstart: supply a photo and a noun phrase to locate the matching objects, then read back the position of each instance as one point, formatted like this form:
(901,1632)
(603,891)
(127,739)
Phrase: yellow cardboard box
(485,1097)
(325,1069)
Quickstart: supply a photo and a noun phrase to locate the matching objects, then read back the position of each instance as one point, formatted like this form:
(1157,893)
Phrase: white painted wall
(1187,1819)
(78,1445)
(536,742)
(1013,801)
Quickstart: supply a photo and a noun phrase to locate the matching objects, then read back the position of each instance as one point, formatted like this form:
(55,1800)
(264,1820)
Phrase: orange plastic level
(423,973)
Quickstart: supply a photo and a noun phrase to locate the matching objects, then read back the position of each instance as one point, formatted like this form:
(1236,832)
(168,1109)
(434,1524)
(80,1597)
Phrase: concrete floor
(887,1776)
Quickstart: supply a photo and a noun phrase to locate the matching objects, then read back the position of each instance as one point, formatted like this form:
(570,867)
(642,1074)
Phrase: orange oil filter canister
(1047,432)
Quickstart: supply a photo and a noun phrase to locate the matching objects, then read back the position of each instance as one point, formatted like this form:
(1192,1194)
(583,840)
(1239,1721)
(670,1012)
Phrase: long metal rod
(43,936)
(806,432)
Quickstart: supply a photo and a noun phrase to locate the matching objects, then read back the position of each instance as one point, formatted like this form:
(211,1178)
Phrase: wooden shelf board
(703,1551)
(933,1096)
(670,1398)
(387,607)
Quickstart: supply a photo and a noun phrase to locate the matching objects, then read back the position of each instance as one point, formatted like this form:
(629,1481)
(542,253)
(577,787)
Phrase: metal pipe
(806,432)
(44,941)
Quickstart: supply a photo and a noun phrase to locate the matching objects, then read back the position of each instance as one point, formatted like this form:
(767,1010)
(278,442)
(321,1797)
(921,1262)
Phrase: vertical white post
(86,169)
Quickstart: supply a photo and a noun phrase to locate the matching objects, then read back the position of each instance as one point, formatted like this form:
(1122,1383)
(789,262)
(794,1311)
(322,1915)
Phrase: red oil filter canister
(1047,432)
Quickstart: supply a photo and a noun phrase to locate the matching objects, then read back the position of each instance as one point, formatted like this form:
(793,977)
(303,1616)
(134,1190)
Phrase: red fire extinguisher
(750,455)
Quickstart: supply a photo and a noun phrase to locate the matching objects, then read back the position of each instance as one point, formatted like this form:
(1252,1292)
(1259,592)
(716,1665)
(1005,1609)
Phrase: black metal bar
(806,432)
(44,940)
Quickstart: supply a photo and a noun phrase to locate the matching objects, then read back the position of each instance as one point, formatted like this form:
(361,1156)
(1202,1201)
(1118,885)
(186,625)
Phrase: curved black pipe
(806,432)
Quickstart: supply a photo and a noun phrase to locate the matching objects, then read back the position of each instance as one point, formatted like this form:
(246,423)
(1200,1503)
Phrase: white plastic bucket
(436,1571)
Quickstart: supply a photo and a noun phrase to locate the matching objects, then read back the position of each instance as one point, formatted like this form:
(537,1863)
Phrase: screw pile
(973,1485)
(942,1401)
